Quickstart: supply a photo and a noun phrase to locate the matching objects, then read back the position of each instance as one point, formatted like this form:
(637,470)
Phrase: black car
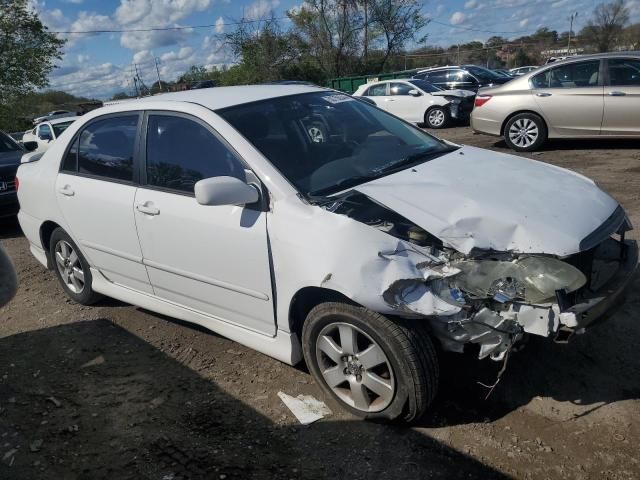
(203,84)
(464,77)
(10,154)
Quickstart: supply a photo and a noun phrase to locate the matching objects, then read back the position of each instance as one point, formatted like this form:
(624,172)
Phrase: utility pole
(458,54)
(571,20)
(158,72)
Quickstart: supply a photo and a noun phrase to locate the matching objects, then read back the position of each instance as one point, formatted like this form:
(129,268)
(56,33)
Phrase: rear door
(622,97)
(378,93)
(570,97)
(95,188)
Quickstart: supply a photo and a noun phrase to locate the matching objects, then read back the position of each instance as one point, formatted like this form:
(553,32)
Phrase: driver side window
(181,152)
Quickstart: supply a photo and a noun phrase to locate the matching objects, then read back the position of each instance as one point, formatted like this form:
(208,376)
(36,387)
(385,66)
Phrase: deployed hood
(454,93)
(475,198)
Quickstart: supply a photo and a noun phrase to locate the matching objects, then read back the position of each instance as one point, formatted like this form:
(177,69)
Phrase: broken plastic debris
(306,408)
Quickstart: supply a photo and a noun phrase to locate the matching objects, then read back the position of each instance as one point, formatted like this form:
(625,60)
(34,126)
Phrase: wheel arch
(46,230)
(518,112)
(306,299)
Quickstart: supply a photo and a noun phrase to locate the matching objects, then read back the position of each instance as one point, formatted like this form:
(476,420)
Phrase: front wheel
(437,117)
(375,367)
(525,132)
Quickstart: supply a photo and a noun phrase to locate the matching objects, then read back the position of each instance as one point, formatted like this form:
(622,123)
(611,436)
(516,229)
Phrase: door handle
(67,191)
(147,210)
(388,100)
(617,94)
(543,94)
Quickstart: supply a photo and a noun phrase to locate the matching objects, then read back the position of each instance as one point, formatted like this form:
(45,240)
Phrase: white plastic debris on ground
(306,408)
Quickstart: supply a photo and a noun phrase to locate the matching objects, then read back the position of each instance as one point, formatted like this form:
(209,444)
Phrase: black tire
(525,120)
(408,348)
(437,117)
(85,296)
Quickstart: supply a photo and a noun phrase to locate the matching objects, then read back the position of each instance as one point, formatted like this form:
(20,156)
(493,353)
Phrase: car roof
(55,121)
(221,97)
(596,56)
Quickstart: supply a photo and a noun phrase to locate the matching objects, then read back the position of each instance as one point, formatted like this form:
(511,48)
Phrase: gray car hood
(475,198)
(454,93)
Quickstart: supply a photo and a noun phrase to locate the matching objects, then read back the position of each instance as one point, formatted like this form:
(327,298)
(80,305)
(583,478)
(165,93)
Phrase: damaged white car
(360,253)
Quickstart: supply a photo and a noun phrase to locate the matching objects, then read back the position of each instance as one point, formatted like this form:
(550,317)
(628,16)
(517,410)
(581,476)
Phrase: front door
(212,259)
(403,105)
(95,190)
(571,98)
(622,98)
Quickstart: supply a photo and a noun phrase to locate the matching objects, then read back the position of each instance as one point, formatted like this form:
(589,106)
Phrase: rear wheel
(375,367)
(71,268)
(525,132)
(437,117)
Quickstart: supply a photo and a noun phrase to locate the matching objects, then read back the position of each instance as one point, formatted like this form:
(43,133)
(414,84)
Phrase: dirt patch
(113,391)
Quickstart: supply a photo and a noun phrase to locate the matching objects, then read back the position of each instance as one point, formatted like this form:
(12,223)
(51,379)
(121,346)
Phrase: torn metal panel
(476,199)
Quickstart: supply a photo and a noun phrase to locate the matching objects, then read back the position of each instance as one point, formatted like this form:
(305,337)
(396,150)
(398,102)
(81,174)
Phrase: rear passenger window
(106,148)
(573,75)
(624,72)
(180,152)
(377,90)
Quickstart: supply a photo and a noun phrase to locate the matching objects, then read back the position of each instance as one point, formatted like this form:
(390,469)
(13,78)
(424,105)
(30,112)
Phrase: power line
(160,29)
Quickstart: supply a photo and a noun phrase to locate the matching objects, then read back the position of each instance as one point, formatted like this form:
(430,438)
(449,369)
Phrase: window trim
(136,150)
(606,76)
(142,172)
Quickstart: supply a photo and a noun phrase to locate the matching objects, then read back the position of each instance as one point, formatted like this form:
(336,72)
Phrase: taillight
(481,100)
(17,184)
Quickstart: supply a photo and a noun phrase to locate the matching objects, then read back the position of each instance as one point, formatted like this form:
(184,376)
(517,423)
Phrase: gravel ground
(114,391)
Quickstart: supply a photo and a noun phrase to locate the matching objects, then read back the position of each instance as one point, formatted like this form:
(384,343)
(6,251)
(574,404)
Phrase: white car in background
(359,253)
(45,133)
(417,101)
(53,115)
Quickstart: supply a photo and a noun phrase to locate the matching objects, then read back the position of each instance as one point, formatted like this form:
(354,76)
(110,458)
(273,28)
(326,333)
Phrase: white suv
(360,252)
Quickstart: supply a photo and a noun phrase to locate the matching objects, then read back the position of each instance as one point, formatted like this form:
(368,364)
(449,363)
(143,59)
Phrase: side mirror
(45,136)
(30,146)
(225,191)
(414,93)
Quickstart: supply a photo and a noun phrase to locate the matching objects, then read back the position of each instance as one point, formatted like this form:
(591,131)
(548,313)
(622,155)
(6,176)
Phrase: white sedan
(358,254)
(417,101)
(39,139)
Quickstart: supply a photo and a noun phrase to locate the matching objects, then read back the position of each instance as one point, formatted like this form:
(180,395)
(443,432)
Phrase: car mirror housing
(225,191)
(30,146)
(414,93)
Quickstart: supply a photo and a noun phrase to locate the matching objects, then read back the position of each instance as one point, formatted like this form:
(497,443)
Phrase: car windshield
(58,128)
(425,86)
(483,73)
(7,144)
(326,142)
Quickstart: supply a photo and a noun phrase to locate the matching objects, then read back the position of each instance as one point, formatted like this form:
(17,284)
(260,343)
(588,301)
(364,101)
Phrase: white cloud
(220,25)
(471,4)
(524,22)
(457,18)
(260,9)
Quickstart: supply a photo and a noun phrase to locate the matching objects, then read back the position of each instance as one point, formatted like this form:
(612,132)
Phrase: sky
(98,65)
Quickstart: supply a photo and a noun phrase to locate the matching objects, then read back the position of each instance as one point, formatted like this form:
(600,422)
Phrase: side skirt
(284,346)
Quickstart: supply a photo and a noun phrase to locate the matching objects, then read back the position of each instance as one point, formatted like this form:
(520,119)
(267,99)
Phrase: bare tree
(605,28)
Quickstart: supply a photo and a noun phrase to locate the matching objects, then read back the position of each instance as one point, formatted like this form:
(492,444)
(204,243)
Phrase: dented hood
(475,198)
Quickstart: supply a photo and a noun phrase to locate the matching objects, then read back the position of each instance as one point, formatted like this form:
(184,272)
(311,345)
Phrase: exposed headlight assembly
(452,99)
(530,279)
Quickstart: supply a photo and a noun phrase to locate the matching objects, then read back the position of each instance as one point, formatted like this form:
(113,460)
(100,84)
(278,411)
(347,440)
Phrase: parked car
(10,154)
(592,96)
(54,114)
(203,84)
(504,72)
(358,254)
(465,77)
(417,101)
(516,72)
(46,132)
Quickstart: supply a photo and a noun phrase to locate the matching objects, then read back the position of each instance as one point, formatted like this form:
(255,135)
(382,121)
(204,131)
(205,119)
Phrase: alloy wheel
(523,132)
(355,367)
(69,266)
(436,117)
